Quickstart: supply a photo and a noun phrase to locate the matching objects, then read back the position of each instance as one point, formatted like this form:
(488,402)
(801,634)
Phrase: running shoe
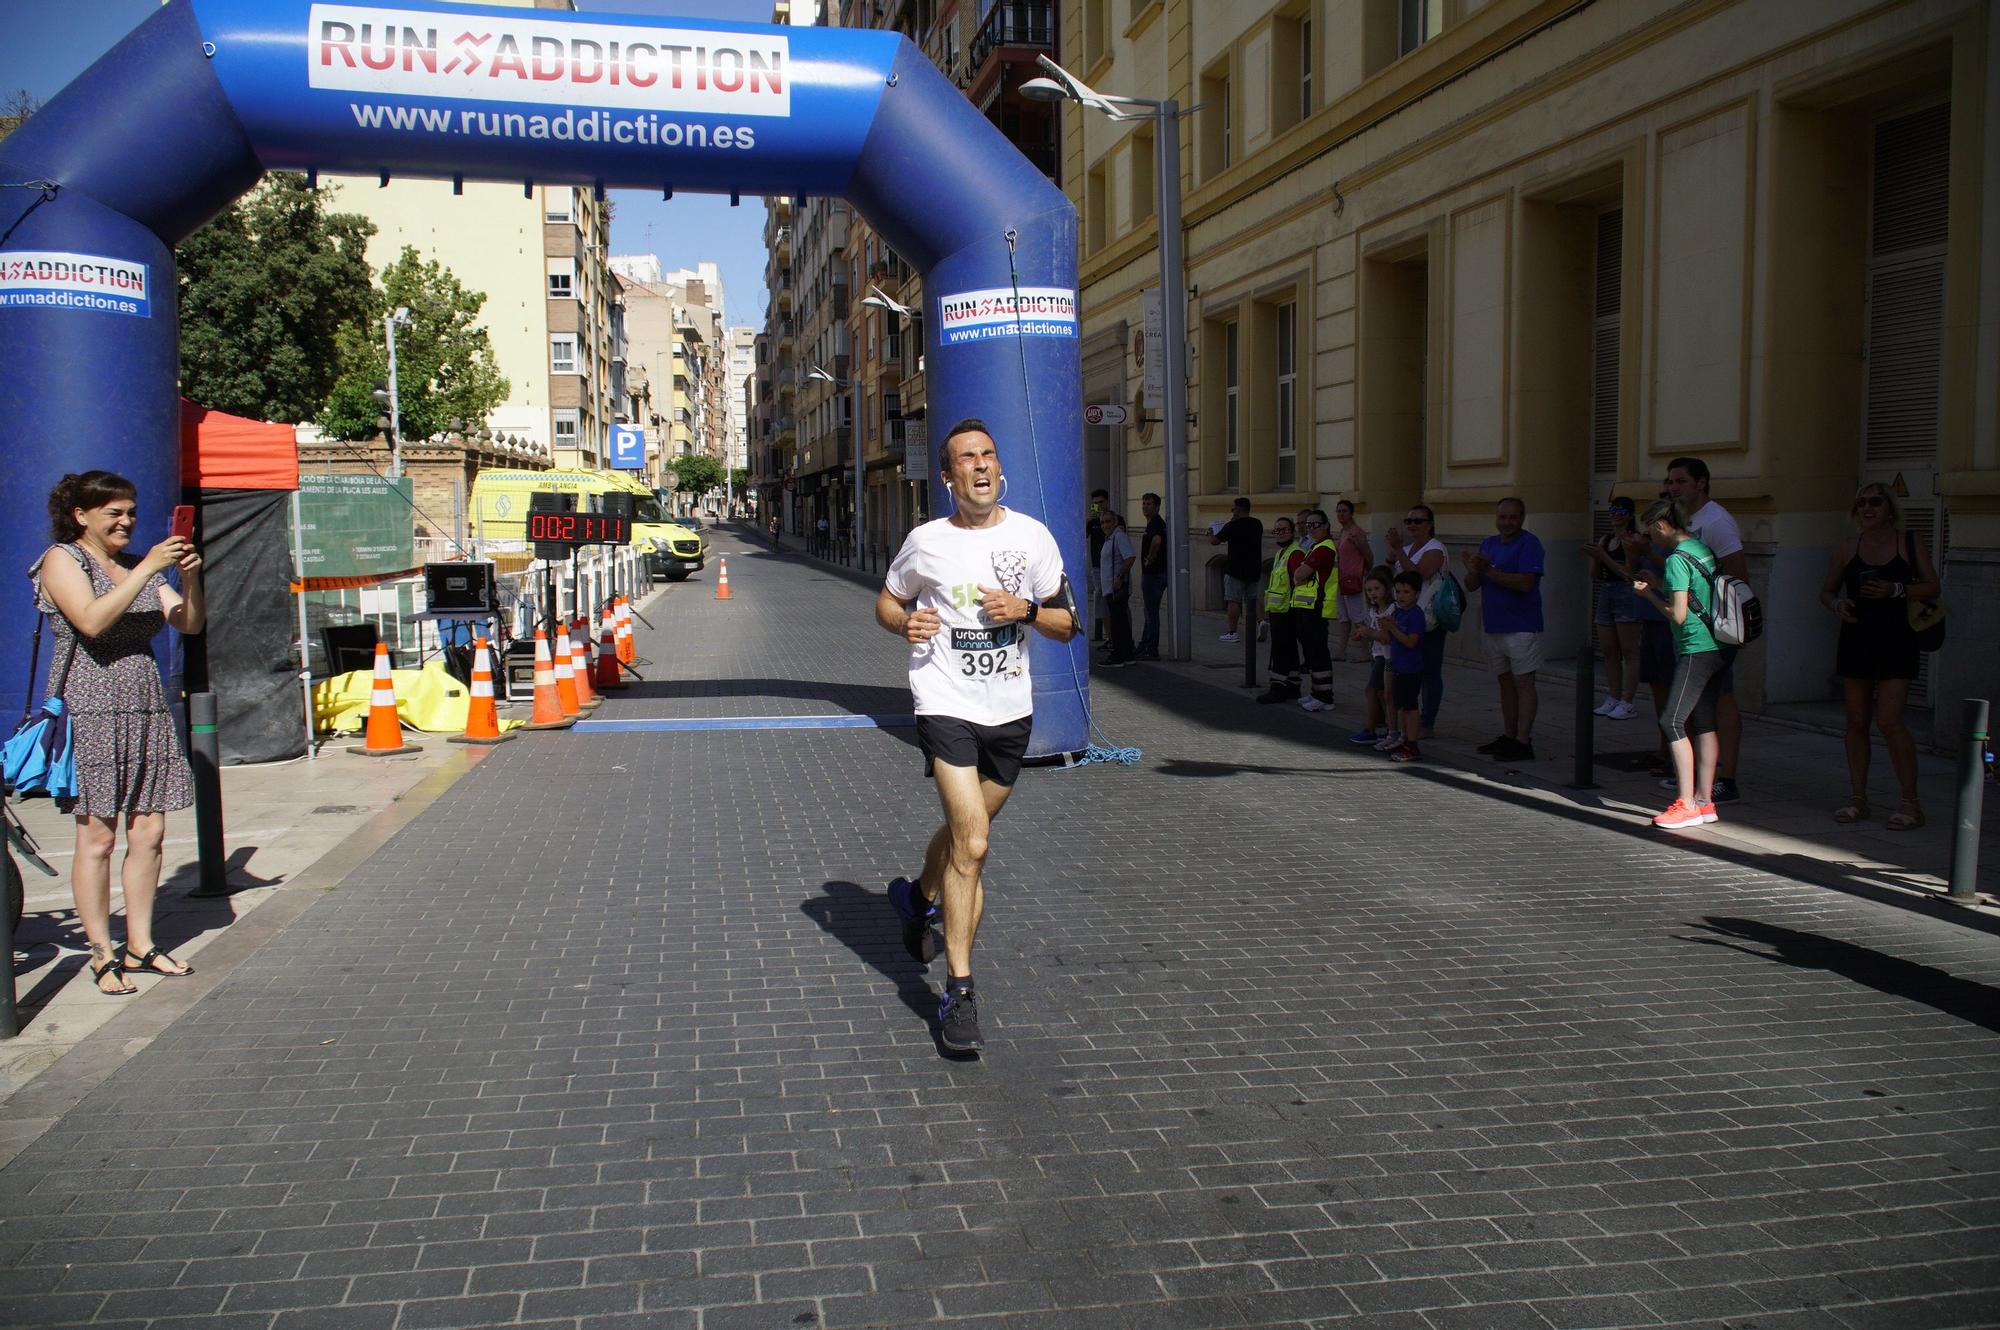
(958,1020)
(1277,692)
(1228,637)
(1407,753)
(1311,704)
(1606,707)
(1263,632)
(1621,710)
(918,917)
(1708,813)
(1495,745)
(1364,738)
(1679,814)
(1389,742)
(1725,791)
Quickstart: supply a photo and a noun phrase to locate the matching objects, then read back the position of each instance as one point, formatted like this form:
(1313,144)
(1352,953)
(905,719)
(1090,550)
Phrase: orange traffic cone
(607,656)
(579,666)
(482,719)
(549,714)
(722,582)
(565,679)
(385,731)
(628,651)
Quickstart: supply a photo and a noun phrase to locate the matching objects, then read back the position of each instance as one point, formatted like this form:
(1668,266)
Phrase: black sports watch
(1034,608)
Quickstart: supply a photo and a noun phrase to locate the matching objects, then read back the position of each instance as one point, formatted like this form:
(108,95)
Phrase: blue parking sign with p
(628,448)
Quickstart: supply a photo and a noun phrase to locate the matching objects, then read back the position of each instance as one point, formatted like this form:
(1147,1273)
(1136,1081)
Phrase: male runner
(964,590)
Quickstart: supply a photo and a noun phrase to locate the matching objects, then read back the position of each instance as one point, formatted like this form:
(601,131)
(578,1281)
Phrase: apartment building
(1448,251)
(737,386)
(823,481)
(583,390)
(774,458)
(987,50)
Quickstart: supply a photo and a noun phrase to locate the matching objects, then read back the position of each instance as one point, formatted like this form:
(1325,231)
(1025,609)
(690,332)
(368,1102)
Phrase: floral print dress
(128,758)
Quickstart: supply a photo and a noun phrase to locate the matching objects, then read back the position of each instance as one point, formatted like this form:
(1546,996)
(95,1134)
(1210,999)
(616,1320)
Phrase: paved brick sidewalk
(618,1033)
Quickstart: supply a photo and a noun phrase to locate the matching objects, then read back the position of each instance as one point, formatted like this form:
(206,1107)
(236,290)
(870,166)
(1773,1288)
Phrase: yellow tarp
(428,699)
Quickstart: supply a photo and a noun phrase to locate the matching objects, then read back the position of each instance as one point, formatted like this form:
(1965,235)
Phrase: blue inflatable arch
(204,96)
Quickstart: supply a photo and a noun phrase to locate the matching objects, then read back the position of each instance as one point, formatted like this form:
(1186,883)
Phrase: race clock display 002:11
(579,529)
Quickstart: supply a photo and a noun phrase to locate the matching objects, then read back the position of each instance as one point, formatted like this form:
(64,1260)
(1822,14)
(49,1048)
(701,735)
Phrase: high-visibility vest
(1305,595)
(1278,591)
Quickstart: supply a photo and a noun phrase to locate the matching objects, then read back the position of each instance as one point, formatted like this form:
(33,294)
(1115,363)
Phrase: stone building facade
(1449,251)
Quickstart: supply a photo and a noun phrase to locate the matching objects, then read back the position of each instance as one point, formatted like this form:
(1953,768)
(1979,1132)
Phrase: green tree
(699,473)
(265,291)
(739,479)
(444,360)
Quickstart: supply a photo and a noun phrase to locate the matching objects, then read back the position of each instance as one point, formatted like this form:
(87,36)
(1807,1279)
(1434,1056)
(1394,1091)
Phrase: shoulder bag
(39,758)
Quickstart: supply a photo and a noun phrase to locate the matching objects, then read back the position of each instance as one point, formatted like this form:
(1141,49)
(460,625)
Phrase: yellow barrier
(429,699)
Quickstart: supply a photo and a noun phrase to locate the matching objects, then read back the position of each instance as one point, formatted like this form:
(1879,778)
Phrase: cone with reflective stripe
(607,656)
(565,679)
(722,582)
(482,718)
(579,665)
(385,730)
(548,704)
(628,651)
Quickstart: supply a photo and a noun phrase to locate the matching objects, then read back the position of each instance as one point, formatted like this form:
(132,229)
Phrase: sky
(53,43)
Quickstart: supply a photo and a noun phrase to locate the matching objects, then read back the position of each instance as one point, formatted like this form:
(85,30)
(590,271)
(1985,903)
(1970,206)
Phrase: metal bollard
(10,1014)
(1585,741)
(205,760)
(1965,825)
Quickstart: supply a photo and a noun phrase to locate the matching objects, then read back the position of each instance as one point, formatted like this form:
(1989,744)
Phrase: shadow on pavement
(866,924)
(1966,999)
(1854,879)
(187,877)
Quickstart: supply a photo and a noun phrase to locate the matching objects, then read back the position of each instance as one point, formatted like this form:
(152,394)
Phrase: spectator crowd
(1671,607)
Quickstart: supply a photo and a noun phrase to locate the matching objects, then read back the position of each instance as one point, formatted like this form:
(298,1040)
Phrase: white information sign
(1152,364)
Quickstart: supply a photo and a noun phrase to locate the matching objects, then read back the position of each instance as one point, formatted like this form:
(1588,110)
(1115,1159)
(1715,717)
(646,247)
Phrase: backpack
(1444,608)
(1735,619)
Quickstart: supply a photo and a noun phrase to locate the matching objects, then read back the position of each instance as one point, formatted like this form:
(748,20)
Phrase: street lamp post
(1165,115)
(389,322)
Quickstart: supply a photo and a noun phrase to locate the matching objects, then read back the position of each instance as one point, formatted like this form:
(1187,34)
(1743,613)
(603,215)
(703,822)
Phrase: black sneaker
(918,917)
(958,1020)
(1513,750)
(1278,693)
(1497,745)
(1724,791)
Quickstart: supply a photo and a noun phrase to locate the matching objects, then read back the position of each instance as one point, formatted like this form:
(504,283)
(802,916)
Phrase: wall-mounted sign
(916,449)
(1104,413)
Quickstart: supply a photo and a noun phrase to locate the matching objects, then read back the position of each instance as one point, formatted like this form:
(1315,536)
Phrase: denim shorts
(1617,602)
(1378,669)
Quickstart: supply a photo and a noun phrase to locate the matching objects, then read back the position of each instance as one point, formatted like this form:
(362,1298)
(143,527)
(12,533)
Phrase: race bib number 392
(987,653)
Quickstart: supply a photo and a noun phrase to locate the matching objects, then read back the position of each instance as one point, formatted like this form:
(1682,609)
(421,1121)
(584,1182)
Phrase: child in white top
(1376,730)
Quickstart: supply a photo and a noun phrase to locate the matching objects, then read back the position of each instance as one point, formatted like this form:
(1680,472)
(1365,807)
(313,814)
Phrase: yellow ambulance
(500,510)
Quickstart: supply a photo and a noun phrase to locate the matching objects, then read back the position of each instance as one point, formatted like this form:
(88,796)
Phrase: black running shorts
(996,750)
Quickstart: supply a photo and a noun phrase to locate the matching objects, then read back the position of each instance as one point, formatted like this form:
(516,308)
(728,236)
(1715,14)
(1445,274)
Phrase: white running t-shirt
(972,670)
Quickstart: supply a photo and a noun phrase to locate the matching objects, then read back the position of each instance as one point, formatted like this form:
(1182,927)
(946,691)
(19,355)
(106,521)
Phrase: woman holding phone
(105,606)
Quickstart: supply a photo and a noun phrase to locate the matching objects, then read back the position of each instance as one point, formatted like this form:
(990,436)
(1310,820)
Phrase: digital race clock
(579,529)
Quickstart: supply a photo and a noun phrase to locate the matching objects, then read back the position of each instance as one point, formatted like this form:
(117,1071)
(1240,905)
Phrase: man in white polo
(964,591)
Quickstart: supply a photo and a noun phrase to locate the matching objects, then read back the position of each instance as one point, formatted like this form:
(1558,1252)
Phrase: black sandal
(112,966)
(145,963)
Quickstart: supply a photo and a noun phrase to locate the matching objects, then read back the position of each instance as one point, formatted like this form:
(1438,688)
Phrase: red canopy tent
(224,452)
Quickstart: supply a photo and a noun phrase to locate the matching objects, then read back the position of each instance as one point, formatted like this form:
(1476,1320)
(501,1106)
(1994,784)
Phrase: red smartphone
(183,528)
